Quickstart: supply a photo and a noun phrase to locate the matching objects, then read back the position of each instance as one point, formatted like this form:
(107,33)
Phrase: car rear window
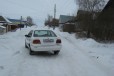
(44,33)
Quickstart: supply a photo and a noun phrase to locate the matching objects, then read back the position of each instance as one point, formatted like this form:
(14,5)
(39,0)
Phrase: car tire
(26,45)
(56,52)
(31,52)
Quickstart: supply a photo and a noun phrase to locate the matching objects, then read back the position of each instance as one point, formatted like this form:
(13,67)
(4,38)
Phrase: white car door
(28,39)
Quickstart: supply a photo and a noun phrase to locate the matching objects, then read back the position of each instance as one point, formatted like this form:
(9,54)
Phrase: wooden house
(106,21)
(4,25)
(2,29)
(64,25)
(16,23)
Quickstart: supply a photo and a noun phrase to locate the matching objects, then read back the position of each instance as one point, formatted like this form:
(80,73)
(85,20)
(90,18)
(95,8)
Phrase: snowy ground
(77,57)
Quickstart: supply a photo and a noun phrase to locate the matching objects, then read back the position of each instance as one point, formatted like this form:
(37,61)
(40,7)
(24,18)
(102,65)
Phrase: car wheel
(31,52)
(56,52)
(26,45)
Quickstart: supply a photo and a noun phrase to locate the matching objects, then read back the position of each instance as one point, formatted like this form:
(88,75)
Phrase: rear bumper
(46,48)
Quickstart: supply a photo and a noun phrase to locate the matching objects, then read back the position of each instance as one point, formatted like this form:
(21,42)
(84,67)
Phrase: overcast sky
(38,9)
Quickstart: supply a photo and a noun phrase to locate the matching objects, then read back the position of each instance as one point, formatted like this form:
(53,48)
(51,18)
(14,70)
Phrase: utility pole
(54,11)
(21,20)
(54,17)
(20,23)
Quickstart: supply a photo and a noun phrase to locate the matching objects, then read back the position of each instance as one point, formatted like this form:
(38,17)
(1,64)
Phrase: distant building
(15,21)
(4,25)
(2,29)
(18,22)
(29,21)
(63,19)
(106,20)
(108,12)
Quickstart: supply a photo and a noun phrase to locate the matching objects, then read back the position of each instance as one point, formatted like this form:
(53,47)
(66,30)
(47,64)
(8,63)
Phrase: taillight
(58,41)
(36,42)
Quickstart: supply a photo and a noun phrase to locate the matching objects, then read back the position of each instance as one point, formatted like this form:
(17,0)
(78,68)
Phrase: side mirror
(27,36)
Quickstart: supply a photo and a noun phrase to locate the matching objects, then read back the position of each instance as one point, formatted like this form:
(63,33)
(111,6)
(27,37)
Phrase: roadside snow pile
(11,45)
(86,42)
(92,43)
(82,42)
(89,43)
(100,52)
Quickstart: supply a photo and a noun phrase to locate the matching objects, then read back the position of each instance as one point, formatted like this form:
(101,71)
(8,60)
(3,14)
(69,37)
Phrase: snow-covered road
(71,61)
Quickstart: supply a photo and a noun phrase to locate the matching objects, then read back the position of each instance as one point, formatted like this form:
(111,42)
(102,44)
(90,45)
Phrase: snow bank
(100,52)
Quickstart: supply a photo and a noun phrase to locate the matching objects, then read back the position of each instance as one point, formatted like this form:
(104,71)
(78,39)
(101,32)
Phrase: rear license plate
(48,40)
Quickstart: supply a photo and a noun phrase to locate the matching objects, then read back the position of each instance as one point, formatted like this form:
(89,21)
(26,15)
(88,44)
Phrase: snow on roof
(1,24)
(14,20)
(2,27)
(4,19)
(65,18)
(7,20)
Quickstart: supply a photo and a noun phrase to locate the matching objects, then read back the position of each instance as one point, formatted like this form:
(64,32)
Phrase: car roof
(41,29)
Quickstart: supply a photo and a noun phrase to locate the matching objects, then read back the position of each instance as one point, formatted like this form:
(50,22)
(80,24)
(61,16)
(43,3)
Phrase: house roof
(108,11)
(4,20)
(14,20)
(2,27)
(65,18)
(17,21)
(110,4)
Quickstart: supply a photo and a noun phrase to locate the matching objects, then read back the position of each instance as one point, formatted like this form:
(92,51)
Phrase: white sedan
(42,40)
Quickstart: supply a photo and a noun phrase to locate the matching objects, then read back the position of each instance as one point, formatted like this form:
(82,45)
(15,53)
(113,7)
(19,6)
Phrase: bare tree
(30,20)
(48,20)
(90,5)
(90,9)
(51,22)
